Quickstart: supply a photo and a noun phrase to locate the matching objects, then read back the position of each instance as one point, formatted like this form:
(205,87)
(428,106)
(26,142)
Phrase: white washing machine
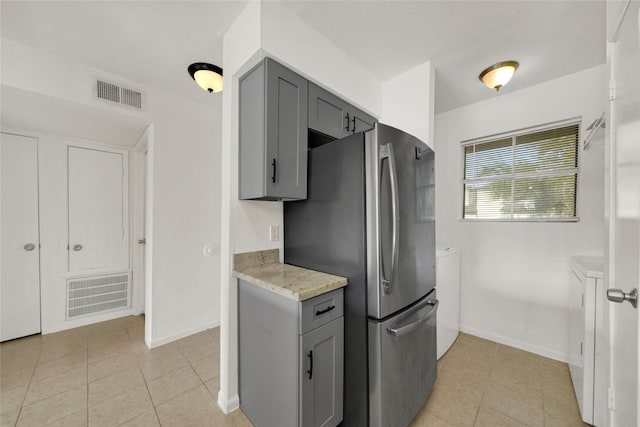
(586,347)
(448,286)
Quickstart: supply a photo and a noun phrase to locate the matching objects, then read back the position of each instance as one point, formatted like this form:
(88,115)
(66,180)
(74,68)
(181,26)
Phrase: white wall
(186,190)
(413,114)
(515,275)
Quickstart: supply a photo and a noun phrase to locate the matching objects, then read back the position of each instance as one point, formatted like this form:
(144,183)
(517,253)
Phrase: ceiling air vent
(118,94)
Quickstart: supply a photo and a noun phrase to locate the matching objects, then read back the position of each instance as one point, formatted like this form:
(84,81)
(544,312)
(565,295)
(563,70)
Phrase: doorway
(20,256)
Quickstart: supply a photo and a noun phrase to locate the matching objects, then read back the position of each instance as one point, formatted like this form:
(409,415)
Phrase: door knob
(29,247)
(76,247)
(619,296)
(142,241)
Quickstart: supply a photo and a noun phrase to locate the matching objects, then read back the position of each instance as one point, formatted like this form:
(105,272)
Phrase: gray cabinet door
(361,122)
(286,119)
(328,114)
(321,375)
(273,133)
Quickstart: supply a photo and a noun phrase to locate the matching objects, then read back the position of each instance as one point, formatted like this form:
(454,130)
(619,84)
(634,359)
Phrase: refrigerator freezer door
(402,363)
(400,190)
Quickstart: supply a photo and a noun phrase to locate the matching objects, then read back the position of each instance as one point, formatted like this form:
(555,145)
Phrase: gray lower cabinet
(273,133)
(290,358)
(332,116)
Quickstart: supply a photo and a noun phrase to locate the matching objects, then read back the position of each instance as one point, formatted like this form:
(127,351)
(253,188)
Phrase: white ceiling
(153,42)
(149,42)
(461,38)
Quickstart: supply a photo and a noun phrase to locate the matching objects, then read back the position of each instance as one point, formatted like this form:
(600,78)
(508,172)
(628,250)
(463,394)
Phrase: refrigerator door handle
(404,329)
(386,151)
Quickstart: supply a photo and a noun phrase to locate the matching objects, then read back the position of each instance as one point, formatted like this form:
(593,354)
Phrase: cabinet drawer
(320,310)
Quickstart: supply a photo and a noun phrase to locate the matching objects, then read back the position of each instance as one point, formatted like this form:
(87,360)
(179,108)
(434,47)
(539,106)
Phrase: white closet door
(20,259)
(96,210)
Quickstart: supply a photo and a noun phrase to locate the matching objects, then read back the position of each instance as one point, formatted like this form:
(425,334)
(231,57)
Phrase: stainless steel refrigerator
(370,216)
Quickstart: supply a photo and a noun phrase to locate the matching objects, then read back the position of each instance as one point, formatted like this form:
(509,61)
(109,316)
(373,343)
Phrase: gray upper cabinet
(334,117)
(273,133)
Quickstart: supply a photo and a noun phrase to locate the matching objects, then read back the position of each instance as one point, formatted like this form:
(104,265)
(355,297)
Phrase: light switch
(274,233)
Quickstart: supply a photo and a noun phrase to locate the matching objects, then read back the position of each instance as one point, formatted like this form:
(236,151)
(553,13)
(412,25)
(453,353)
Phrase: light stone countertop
(263,269)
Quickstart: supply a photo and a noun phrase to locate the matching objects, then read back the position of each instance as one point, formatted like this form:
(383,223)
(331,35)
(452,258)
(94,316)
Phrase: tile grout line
(28,386)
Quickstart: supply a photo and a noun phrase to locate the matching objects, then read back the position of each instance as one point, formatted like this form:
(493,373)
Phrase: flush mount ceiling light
(208,76)
(498,74)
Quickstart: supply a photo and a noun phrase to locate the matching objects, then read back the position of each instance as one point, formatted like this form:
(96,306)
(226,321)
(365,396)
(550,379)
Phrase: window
(522,176)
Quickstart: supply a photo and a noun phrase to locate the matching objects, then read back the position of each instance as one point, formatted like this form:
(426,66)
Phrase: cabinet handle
(310,371)
(273,177)
(326,310)
(354,124)
(347,126)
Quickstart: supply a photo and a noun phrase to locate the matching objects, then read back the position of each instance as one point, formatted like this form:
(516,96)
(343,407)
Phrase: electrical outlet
(274,233)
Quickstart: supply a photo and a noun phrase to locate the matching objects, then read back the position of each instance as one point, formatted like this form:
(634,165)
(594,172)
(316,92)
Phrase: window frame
(513,134)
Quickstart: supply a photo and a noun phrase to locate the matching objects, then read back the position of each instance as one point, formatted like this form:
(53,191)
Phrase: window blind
(523,176)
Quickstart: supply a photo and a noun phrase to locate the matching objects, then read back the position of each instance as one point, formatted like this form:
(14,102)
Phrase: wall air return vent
(118,94)
(89,295)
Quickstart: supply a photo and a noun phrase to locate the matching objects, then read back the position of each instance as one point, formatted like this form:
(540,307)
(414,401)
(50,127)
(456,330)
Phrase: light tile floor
(482,383)
(103,375)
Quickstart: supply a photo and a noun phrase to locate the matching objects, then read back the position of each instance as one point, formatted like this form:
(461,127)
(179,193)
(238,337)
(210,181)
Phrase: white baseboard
(87,320)
(228,405)
(166,340)
(532,348)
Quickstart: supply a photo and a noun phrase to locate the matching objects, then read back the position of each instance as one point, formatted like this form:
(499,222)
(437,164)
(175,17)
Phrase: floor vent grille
(118,94)
(90,295)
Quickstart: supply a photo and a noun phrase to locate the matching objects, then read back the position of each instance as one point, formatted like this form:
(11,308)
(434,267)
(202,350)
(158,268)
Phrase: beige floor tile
(527,409)
(215,333)
(12,399)
(523,380)
(462,382)
(8,419)
(50,386)
(58,366)
(487,417)
(57,350)
(125,406)
(110,338)
(560,403)
(136,334)
(113,385)
(239,419)
(77,419)
(427,419)
(201,350)
(196,339)
(106,351)
(157,353)
(159,366)
(452,406)
(54,408)
(146,419)
(214,387)
(13,379)
(22,344)
(172,384)
(566,420)
(193,408)
(112,365)
(207,368)
(12,361)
